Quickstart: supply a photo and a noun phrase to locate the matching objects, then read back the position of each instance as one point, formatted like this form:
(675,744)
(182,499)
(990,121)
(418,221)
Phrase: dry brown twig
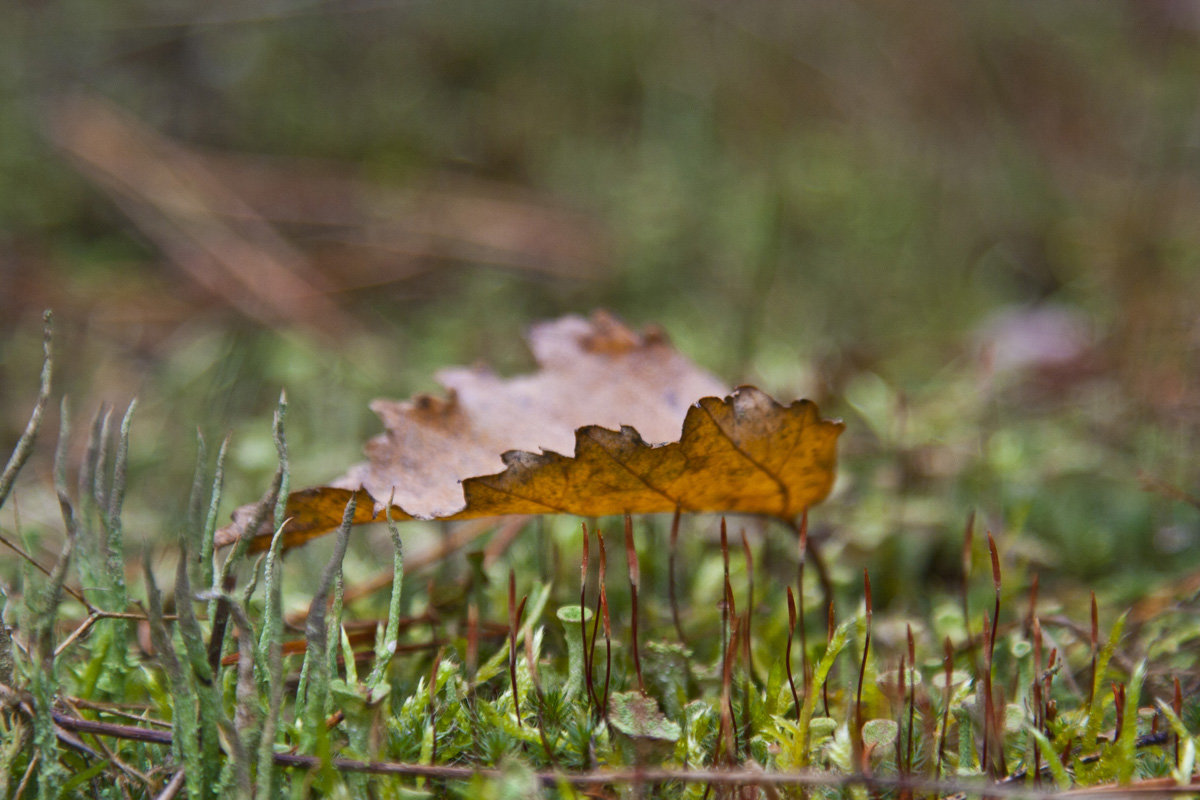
(1156,787)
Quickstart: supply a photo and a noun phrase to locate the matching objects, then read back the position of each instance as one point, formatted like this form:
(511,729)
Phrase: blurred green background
(972,230)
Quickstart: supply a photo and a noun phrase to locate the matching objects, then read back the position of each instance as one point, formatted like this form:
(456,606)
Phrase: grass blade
(24,446)
(386,647)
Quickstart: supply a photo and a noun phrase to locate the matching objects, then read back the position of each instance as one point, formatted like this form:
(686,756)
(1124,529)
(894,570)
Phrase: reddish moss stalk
(912,696)
(514,615)
(803,544)
(948,672)
(787,654)
(634,581)
(602,612)
(993,728)
(1177,707)
(672,554)
(857,739)
(587,651)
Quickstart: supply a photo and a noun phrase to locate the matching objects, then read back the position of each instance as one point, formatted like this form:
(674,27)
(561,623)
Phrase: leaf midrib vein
(639,477)
(783,489)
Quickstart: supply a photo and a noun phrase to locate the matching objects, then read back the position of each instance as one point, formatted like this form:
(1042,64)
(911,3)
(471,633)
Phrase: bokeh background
(971,230)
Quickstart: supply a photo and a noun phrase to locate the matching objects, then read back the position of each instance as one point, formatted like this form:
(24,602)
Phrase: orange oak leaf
(604,394)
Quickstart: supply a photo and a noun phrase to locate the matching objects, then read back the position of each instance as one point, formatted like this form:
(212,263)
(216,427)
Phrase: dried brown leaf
(605,394)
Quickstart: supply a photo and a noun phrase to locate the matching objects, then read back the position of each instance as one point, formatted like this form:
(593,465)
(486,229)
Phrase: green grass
(465,682)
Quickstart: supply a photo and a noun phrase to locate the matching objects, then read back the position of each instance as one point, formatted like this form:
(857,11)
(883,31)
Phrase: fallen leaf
(605,394)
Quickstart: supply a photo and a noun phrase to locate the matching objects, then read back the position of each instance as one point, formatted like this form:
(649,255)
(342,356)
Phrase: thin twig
(171,790)
(107,752)
(16,548)
(721,777)
(33,763)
